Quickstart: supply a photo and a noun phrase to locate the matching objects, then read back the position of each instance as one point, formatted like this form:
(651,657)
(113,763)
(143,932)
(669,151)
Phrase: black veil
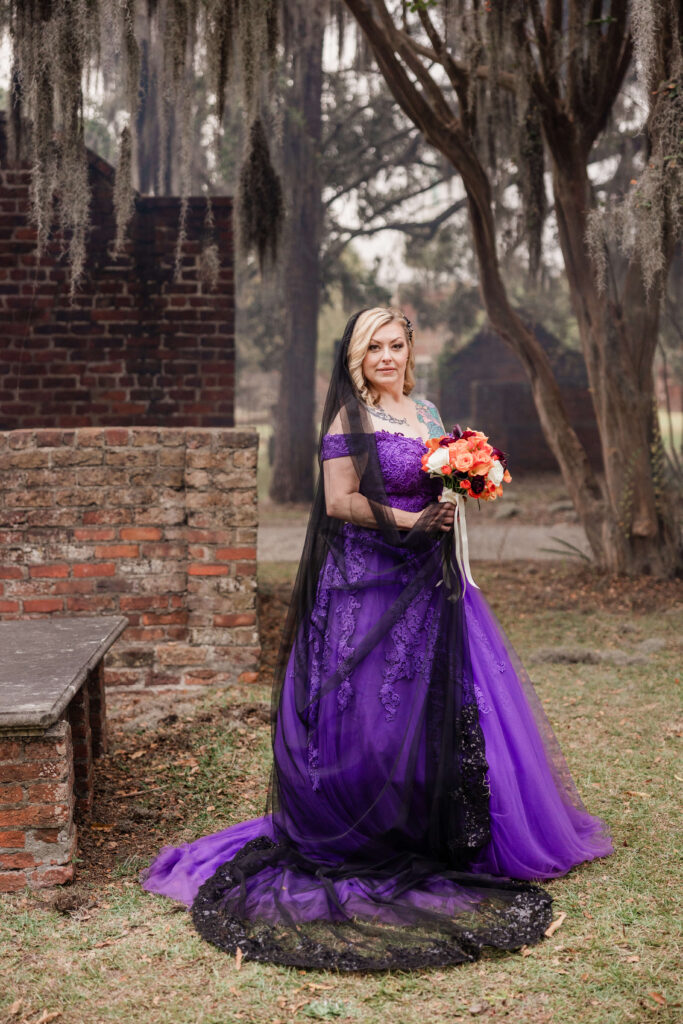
(379,793)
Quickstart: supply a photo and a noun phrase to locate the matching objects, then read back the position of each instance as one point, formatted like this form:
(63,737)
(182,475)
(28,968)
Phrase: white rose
(438,459)
(495,474)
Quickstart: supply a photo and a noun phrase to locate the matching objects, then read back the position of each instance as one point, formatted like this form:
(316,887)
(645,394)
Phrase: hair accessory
(410,328)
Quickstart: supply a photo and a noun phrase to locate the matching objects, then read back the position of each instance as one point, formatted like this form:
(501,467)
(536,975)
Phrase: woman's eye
(372,348)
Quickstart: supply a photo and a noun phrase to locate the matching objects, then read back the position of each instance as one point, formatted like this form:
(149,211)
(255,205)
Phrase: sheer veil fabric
(386,838)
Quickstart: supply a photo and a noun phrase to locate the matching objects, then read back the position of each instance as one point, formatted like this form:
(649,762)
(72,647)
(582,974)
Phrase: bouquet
(470,467)
(467,464)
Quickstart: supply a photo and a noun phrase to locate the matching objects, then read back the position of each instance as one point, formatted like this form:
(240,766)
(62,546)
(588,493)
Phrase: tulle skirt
(539,829)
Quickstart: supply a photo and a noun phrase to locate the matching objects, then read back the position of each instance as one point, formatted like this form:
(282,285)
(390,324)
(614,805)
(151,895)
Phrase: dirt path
(534,514)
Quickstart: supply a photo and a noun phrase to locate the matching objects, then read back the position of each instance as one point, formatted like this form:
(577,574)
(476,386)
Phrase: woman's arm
(343,500)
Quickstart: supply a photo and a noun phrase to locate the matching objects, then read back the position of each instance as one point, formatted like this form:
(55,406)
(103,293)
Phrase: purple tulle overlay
(539,828)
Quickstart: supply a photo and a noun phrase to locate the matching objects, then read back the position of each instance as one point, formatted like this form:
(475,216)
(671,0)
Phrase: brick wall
(156,524)
(135,346)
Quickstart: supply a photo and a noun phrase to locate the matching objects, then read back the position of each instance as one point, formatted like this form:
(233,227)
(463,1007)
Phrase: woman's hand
(446,516)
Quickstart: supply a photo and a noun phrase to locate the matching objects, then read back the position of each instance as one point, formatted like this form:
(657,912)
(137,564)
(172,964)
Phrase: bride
(417,793)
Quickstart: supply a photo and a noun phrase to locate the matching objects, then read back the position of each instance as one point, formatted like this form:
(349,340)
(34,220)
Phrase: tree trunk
(292,479)
(619,336)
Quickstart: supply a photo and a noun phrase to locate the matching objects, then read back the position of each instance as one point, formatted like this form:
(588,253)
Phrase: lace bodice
(408,487)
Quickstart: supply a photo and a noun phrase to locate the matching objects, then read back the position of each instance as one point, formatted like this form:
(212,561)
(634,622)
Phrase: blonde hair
(369,321)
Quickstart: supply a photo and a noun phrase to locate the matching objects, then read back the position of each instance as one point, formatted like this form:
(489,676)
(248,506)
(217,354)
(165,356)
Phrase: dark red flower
(501,456)
(454,435)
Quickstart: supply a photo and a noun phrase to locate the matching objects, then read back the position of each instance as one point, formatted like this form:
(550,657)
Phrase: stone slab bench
(52,726)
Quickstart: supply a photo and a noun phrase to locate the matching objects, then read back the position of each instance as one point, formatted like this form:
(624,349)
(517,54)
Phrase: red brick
(43,604)
(36,814)
(12,840)
(140,533)
(94,569)
(232,554)
(117,551)
(117,436)
(235,619)
(12,572)
(164,618)
(19,772)
(248,677)
(50,571)
(47,835)
(127,604)
(199,569)
(48,792)
(94,533)
(9,606)
(17,860)
(109,515)
(10,750)
(12,881)
(74,587)
(10,795)
(52,875)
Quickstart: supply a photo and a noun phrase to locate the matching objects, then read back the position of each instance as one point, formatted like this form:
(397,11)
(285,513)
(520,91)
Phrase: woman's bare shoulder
(336,426)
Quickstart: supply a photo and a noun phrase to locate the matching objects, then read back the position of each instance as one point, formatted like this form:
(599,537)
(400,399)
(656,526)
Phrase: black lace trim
(510,914)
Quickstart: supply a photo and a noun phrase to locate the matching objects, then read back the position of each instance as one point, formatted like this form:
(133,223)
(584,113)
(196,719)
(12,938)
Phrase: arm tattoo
(428,415)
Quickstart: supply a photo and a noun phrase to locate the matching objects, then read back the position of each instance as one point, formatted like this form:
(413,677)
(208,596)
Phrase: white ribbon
(462,553)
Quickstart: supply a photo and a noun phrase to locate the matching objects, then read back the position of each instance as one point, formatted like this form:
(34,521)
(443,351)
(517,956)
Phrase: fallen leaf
(632,959)
(658,998)
(136,754)
(557,923)
(99,827)
(15,1007)
(238,959)
(45,1016)
(525,951)
(476,1008)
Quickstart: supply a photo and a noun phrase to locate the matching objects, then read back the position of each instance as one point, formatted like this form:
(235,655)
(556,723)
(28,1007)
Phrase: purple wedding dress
(359,760)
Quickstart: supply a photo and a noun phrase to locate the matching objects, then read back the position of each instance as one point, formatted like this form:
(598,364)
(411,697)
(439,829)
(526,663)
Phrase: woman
(417,789)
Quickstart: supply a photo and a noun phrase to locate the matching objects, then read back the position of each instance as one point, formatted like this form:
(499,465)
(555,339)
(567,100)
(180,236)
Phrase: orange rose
(506,477)
(462,461)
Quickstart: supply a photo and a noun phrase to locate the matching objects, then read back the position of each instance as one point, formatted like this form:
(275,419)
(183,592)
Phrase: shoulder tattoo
(428,415)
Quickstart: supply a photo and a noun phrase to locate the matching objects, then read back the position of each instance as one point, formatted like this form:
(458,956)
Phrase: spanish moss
(58,46)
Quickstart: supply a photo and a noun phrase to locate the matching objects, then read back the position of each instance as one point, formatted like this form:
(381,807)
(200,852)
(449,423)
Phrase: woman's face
(384,365)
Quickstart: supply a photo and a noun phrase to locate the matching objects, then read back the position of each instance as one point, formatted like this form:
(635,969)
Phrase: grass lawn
(104,950)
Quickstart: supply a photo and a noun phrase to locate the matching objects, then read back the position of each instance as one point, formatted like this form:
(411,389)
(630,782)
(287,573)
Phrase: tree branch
(424,230)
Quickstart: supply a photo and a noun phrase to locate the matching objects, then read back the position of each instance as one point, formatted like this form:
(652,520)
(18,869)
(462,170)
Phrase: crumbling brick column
(37,828)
